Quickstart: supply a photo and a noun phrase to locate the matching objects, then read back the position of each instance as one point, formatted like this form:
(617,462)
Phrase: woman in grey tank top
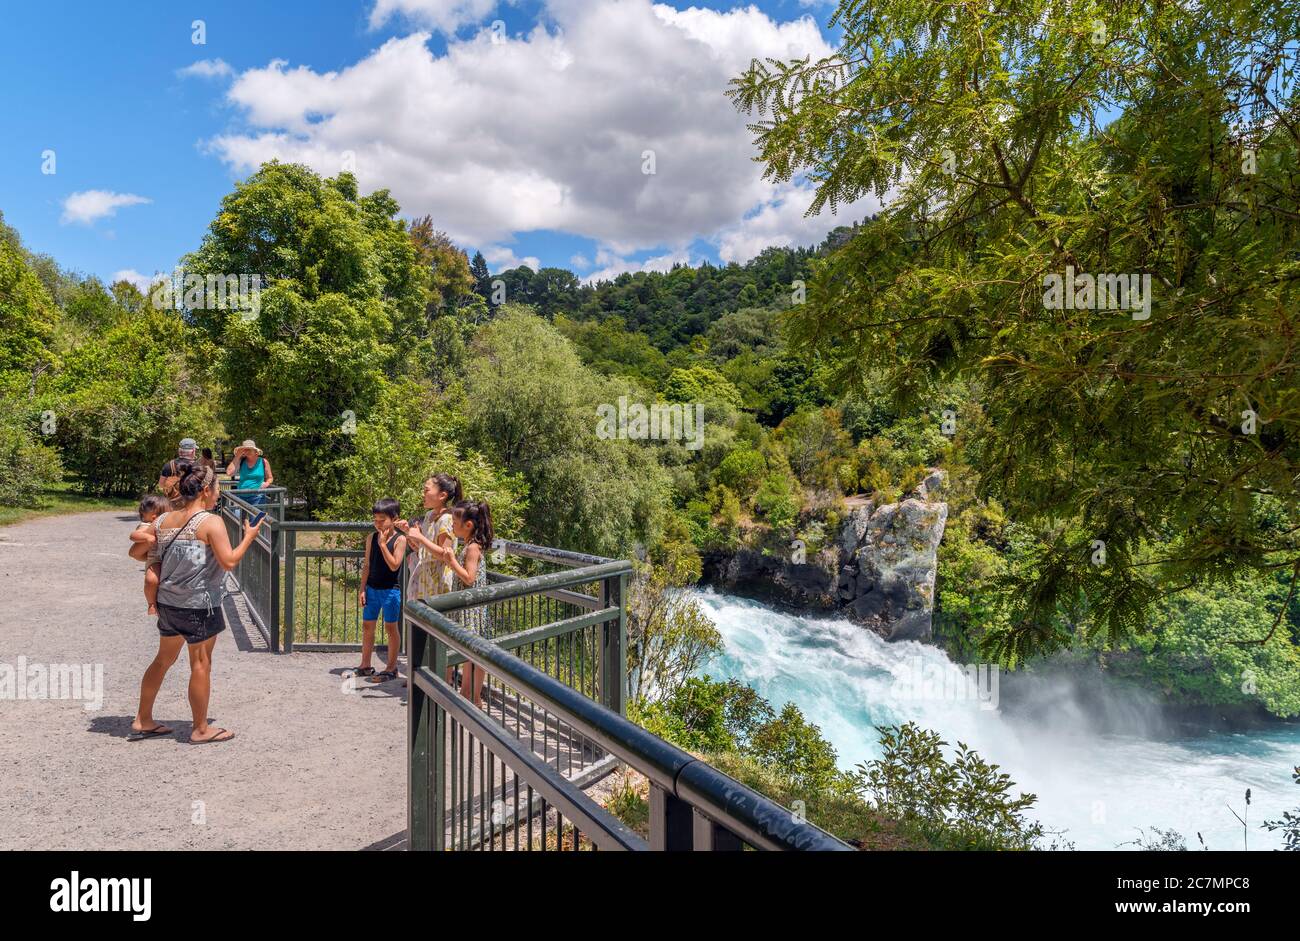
(195,554)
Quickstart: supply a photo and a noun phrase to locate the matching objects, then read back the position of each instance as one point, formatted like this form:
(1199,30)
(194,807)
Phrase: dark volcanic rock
(880,572)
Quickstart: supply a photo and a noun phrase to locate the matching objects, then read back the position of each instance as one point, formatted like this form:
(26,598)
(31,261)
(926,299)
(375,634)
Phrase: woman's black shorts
(194,624)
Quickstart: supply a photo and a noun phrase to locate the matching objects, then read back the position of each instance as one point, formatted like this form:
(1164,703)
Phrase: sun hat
(250,445)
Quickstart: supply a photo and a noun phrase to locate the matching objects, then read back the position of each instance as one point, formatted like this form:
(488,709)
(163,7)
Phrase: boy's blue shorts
(387,599)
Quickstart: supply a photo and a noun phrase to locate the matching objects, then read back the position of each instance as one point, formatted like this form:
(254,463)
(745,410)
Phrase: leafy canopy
(1022,140)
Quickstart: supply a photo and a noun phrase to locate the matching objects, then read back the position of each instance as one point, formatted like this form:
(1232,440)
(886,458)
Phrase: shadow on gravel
(390,689)
(120,727)
(248,639)
(395,842)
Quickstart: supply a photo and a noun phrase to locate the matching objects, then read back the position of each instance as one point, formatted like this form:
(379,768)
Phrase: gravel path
(311,767)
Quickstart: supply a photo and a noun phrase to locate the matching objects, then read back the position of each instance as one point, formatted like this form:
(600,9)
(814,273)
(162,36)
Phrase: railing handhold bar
(549,554)
(749,815)
(501,591)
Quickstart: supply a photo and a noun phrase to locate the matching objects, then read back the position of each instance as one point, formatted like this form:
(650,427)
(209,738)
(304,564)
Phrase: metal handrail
(536,584)
(741,810)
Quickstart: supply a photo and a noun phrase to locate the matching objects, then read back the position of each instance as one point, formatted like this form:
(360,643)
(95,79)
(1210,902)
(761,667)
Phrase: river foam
(1099,773)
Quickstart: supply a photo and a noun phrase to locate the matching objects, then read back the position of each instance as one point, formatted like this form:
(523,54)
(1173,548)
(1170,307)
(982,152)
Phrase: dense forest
(441,364)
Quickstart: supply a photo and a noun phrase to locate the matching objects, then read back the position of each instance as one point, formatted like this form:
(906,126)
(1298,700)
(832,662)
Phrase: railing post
(714,837)
(671,821)
(290,579)
(439,751)
(613,660)
(417,726)
(273,605)
(426,827)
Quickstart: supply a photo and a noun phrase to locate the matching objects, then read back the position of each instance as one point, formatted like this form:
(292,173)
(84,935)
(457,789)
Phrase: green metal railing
(258,572)
(301,581)
(511,773)
(509,768)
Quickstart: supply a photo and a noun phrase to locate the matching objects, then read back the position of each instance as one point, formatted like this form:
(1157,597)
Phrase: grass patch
(61,500)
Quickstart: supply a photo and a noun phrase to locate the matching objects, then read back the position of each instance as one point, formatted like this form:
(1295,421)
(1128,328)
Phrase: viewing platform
(325,761)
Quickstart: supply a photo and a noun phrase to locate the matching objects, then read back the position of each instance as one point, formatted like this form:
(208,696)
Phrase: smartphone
(257,519)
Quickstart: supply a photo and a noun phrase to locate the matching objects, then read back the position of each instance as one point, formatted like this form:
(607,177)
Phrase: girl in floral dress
(472,526)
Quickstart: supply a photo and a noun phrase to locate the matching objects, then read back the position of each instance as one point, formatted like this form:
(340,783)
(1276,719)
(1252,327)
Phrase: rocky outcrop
(888,556)
(772,578)
(880,572)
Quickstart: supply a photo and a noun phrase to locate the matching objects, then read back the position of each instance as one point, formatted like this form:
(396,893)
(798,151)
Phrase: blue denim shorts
(387,599)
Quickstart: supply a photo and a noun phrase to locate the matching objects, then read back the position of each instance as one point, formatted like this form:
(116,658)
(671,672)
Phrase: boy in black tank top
(380,590)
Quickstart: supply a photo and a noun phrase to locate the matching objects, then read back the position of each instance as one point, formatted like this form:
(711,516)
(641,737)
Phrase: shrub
(961,804)
(27,466)
(741,471)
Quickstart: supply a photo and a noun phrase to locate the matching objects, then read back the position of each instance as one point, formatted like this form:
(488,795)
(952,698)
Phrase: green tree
(447,268)
(28,465)
(402,442)
(531,406)
(478,270)
(701,384)
(344,289)
(794,747)
(963,803)
(1050,139)
(669,636)
(123,399)
(27,314)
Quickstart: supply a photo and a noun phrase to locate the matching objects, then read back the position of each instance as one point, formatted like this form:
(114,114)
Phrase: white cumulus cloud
(781,221)
(612,265)
(446,16)
(142,281)
(88,206)
(555,129)
(503,258)
(207,68)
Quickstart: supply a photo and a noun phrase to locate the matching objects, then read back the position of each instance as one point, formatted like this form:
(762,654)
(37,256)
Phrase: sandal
(363,671)
(383,676)
(139,735)
(216,738)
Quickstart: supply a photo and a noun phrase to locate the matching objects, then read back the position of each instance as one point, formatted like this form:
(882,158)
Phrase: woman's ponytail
(449,485)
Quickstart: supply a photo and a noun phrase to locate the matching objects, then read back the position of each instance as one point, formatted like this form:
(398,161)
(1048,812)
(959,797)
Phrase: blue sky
(531,147)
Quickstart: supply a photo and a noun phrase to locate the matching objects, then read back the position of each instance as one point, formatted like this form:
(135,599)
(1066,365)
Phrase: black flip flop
(363,671)
(157,731)
(215,738)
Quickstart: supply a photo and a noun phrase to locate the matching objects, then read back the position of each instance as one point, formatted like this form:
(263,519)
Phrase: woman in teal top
(251,471)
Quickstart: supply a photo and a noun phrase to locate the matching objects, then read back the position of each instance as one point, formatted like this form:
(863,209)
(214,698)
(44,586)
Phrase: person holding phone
(380,591)
(193,553)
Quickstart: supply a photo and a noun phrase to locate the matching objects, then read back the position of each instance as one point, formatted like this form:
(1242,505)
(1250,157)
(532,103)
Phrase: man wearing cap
(170,478)
(251,470)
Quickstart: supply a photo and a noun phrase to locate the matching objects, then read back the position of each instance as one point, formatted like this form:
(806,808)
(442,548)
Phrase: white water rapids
(1098,778)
